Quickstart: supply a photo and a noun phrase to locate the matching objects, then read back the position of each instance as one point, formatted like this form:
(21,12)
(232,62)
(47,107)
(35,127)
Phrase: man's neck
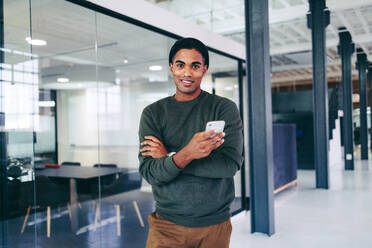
(181,97)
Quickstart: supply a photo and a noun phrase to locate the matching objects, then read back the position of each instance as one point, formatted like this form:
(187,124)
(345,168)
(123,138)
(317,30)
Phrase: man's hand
(153,147)
(200,146)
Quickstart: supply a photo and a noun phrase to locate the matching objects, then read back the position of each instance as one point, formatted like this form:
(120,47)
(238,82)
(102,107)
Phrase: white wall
(335,151)
(112,135)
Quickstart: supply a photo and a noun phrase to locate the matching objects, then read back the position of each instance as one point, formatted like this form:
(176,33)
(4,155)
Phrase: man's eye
(196,66)
(179,65)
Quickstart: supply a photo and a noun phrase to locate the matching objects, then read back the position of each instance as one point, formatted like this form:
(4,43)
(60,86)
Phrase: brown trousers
(165,234)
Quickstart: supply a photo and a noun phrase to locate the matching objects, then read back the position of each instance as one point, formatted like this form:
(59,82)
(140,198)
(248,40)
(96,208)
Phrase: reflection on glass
(72,110)
(18,95)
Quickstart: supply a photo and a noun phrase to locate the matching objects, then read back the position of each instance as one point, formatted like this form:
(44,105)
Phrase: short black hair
(189,43)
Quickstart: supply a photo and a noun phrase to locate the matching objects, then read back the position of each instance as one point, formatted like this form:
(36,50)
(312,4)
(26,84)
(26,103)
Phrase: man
(191,173)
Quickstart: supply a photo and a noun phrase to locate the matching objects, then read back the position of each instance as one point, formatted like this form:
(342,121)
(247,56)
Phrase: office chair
(109,179)
(71,163)
(14,196)
(125,182)
(48,194)
(106,165)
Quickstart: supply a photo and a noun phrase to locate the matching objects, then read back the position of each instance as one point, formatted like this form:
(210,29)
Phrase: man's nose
(187,71)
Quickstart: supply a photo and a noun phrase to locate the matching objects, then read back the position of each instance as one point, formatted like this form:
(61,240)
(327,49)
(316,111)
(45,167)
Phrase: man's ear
(205,69)
(171,67)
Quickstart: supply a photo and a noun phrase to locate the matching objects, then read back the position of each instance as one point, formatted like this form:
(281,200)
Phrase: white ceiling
(70,32)
(290,39)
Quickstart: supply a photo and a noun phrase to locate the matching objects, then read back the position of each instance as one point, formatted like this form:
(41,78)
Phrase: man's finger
(150,143)
(221,135)
(218,144)
(147,153)
(146,148)
(216,138)
(208,134)
(153,138)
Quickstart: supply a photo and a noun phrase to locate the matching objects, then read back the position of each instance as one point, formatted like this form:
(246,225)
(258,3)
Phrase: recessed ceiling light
(63,80)
(35,42)
(46,103)
(125,61)
(155,68)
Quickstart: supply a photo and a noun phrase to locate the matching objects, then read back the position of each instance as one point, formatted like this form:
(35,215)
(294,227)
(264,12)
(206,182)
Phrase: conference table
(78,172)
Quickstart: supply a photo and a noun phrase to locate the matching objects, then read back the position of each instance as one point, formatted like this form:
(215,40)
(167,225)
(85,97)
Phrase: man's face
(188,69)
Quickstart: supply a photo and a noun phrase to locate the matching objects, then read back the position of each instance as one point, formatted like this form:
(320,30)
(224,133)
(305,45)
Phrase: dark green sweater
(201,193)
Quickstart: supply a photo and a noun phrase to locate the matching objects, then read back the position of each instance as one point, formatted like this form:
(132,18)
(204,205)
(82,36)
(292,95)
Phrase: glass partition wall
(74,83)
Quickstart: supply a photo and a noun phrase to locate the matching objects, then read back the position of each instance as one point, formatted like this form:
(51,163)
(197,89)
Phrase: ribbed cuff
(172,168)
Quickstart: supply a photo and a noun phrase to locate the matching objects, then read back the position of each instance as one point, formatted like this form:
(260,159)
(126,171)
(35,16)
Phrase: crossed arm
(200,146)
(216,157)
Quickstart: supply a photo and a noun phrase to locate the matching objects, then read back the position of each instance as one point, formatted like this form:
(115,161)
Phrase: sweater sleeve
(227,159)
(156,171)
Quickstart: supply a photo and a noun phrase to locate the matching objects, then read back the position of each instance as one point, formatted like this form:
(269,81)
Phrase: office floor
(308,217)
(89,235)
(305,217)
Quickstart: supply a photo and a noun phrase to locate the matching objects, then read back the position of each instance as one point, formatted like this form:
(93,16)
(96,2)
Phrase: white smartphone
(218,126)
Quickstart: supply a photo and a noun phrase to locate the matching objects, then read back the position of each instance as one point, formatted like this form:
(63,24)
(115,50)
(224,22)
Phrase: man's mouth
(187,82)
